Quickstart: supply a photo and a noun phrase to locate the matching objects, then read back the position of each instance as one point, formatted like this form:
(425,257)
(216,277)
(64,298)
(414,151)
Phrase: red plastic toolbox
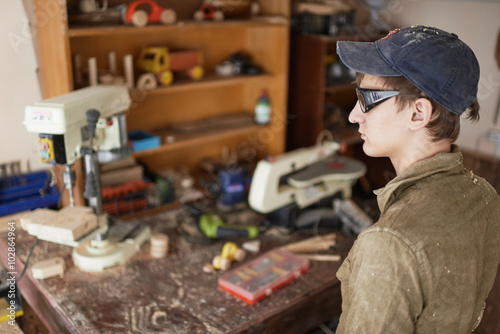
(260,277)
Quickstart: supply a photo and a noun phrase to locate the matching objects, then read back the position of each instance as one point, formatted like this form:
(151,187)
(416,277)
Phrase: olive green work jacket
(430,261)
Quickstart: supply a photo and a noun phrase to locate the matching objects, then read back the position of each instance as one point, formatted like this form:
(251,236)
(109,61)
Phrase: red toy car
(140,17)
(208,11)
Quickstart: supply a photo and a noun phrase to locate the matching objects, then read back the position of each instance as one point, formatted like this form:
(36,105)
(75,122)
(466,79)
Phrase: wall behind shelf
(18,84)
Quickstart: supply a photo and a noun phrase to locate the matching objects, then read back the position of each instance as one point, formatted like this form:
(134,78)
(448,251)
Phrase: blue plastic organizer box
(142,140)
(27,192)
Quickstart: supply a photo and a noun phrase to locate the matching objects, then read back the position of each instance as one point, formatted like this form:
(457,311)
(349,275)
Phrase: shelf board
(347,37)
(190,141)
(209,81)
(112,30)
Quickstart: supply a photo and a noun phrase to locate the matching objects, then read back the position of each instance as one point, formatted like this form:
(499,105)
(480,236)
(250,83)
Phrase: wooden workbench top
(173,294)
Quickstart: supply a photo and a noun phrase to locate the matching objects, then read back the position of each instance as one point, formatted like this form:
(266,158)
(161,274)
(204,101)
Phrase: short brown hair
(444,124)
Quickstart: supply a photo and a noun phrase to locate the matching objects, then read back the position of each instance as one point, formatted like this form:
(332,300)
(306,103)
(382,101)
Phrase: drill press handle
(92,118)
(92,174)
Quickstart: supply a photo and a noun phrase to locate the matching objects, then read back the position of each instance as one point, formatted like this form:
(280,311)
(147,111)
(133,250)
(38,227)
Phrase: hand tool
(213,226)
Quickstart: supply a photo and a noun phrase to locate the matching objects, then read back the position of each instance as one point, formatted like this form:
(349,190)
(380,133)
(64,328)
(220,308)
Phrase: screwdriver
(213,226)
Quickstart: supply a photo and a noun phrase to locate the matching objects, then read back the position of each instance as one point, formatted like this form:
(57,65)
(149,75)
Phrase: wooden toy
(140,18)
(163,63)
(230,252)
(208,11)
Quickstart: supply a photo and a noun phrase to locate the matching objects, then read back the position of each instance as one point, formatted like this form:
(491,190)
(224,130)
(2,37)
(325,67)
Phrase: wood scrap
(125,162)
(69,223)
(48,268)
(159,245)
(306,248)
(251,246)
(38,215)
(208,268)
(313,244)
(122,175)
(321,257)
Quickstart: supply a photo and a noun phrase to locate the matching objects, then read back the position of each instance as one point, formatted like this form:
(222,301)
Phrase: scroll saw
(298,179)
(89,123)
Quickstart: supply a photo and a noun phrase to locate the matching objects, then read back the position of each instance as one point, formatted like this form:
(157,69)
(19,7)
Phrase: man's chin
(371,152)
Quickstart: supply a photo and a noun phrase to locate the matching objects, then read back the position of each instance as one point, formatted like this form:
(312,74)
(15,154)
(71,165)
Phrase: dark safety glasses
(370,98)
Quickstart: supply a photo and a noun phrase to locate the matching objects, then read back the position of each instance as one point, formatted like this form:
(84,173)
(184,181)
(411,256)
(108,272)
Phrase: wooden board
(117,176)
(67,224)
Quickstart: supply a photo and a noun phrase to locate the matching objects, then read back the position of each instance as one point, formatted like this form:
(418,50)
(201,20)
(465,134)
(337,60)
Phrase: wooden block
(119,164)
(69,223)
(48,268)
(159,245)
(181,60)
(41,216)
(118,176)
(321,257)
(252,246)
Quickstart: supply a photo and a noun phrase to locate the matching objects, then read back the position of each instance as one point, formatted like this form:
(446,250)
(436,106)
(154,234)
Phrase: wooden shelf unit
(309,91)
(208,81)
(85,31)
(266,42)
(248,141)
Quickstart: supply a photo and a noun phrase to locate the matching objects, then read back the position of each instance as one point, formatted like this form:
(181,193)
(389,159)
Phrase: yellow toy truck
(163,63)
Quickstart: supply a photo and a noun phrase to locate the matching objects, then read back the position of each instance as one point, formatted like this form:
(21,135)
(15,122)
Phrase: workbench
(173,294)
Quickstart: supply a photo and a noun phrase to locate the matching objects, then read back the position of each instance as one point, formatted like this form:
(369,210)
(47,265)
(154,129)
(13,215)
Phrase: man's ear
(421,114)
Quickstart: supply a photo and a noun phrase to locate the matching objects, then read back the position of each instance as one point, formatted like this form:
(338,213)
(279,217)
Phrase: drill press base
(95,255)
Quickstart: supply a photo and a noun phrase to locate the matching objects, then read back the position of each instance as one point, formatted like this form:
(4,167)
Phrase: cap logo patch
(392,32)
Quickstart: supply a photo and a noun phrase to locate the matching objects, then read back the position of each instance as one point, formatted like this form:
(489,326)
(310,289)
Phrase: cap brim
(363,57)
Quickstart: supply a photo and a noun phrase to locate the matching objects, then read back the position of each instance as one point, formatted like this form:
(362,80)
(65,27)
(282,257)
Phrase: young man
(430,261)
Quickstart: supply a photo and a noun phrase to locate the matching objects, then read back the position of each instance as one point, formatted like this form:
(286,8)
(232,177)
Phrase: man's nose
(356,115)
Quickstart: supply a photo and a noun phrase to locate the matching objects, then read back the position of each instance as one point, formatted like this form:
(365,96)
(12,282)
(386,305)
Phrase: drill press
(89,123)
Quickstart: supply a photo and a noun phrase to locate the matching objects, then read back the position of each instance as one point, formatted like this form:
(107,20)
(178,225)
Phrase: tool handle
(231,232)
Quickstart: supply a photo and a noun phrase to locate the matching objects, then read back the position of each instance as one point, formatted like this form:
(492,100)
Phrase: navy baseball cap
(435,61)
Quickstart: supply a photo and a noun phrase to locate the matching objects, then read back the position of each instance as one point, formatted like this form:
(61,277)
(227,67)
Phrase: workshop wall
(477,24)
(18,84)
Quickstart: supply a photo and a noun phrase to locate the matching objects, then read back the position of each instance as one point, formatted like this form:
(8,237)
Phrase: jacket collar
(441,162)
